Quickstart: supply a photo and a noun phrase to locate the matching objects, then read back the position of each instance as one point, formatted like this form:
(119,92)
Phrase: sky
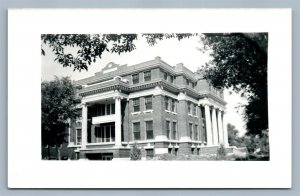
(171,51)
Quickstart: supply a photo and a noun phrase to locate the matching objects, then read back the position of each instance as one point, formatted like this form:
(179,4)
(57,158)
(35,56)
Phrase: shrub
(135,153)
(221,153)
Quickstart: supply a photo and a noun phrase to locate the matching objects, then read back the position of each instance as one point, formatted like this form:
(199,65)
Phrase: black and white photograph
(149,98)
(158,96)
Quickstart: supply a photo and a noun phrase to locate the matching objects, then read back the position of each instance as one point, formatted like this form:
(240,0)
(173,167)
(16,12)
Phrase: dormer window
(135,78)
(147,76)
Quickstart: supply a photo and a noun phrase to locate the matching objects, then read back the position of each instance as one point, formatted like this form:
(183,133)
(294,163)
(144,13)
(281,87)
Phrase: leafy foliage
(240,62)
(58,106)
(92,46)
(221,153)
(254,143)
(135,153)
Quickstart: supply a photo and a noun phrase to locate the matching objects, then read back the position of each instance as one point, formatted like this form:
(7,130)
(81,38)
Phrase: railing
(103,119)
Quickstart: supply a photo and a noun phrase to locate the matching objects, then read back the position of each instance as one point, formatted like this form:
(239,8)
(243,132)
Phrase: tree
(233,138)
(92,46)
(239,61)
(255,143)
(135,153)
(58,106)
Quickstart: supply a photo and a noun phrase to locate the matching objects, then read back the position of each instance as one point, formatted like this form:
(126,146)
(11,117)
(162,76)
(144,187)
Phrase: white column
(225,130)
(84,125)
(118,139)
(220,127)
(214,125)
(208,125)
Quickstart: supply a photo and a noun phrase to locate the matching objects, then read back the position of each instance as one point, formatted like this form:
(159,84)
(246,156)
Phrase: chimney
(157,58)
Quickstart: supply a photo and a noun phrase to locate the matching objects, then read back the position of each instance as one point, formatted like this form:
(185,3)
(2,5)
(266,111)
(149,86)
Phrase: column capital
(84,104)
(204,104)
(118,97)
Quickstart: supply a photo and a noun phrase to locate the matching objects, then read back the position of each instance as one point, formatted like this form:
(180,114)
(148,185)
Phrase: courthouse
(159,107)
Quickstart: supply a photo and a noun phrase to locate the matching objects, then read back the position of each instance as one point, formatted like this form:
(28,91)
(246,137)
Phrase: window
(173,105)
(189,107)
(172,79)
(196,132)
(148,103)
(194,110)
(101,110)
(136,105)
(105,133)
(99,134)
(135,78)
(147,76)
(136,131)
(149,130)
(108,109)
(104,109)
(168,129)
(167,103)
(187,82)
(193,85)
(149,153)
(174,131)
(202,112)
(113,108)
(165,76)
(191,130)
(78,136)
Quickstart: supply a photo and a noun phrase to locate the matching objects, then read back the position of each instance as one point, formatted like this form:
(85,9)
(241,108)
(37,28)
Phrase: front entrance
(99,156)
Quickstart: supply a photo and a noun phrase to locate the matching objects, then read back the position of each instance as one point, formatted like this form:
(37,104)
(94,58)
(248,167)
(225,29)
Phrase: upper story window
(135,78)
(147,76)
(108,110)
(196,137)
(173,105)
(174,131)
(148,103)
(187,82)
(202,112)
(167,103)
(189,107)
(165,75)
(168,129)
(136,105)
(102,110)
(172,79)
(191,130)
(194,110)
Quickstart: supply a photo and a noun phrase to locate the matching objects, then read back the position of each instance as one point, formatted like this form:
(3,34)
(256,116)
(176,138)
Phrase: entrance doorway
(99,156)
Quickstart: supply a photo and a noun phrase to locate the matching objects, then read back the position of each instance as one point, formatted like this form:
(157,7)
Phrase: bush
(135,153)
(221,153)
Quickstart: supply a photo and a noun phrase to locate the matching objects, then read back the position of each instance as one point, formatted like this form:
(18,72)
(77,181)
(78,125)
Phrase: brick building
(162,108)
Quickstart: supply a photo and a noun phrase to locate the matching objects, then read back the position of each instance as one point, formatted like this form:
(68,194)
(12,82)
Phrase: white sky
(171,51)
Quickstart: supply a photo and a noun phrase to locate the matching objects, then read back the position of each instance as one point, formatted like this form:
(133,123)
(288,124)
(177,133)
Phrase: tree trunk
(58,152)
(48,149)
